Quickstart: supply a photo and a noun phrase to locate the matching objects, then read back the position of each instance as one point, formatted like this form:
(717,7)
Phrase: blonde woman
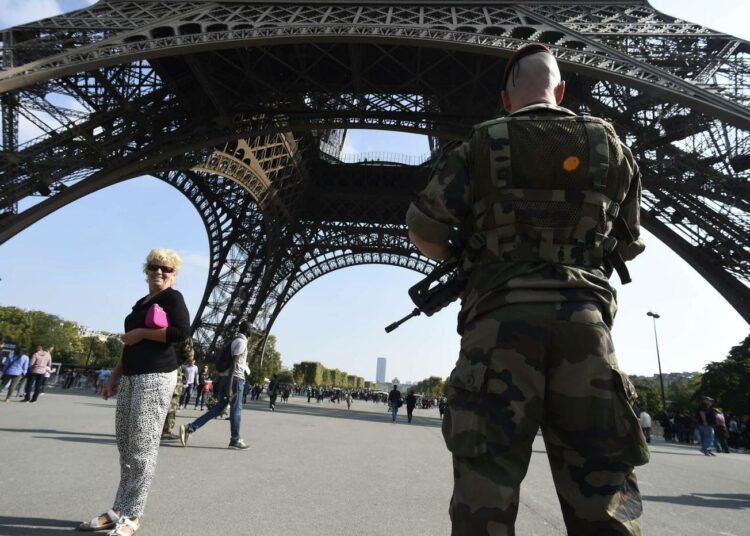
(145,377)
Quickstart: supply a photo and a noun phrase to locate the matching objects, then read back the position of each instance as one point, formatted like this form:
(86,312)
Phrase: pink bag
(156,317)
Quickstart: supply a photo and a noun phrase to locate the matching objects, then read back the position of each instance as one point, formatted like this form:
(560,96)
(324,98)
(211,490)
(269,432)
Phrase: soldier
(547,203)
(184,352)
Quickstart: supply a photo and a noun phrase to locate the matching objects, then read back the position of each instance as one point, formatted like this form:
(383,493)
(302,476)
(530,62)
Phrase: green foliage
(257,375)
(728,381)
(649,395)
(31,328)
(271,357)
(313,373)
(114,350)
(16,325)
(285,376)
(431,386)
(683,394)
(298,373)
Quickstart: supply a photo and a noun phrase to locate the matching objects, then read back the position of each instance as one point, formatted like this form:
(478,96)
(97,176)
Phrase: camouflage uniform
(536,317)
(184,350)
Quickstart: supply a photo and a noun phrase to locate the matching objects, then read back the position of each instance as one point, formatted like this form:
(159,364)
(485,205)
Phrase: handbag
(156,317)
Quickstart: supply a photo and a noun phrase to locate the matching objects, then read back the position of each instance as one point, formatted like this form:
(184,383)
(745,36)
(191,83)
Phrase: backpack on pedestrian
(223,359)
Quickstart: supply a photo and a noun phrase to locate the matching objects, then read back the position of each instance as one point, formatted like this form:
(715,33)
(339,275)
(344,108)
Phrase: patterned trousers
(142,404)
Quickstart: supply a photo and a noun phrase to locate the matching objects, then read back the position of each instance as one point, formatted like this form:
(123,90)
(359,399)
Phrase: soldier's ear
(560,91)
(506,100)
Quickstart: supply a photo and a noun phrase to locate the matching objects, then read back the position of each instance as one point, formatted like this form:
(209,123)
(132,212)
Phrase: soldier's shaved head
(531,78)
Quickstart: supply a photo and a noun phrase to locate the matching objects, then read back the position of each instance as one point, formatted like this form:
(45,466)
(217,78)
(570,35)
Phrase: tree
(15,325)
(313,372)
(431,386)
(31,328)
(114,350)
(256,375)
(649,398)
(271,363)
(728,381)
(285,376)
(683,394)
(298,373)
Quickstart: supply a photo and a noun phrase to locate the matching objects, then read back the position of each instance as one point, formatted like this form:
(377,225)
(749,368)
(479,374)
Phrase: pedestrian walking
(39,365)
(189,381)
(204,387)
(706,420)
(411,403)
(15,367)
(273,391)
(645,420)
(395,402)
(231,385)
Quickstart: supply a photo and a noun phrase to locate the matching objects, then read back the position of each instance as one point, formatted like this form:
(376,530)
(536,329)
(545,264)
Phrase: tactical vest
(558,203)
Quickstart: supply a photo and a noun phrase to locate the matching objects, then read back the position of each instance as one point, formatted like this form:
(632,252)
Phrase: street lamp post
(654,316)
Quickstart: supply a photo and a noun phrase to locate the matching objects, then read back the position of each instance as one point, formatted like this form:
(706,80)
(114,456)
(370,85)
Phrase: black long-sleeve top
(151,356)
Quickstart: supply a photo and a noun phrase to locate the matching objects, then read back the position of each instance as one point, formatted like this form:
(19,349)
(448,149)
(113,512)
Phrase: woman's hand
(109,389)
(134,336)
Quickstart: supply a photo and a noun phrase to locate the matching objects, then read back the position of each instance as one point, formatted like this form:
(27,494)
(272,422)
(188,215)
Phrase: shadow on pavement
(732,501)
(176,445)
(319,410)
(52,431)
(30,526)
(64,435)
(697,452)
(99,405)
(81,438)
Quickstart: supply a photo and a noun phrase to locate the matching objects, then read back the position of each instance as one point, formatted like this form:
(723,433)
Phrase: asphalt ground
(312,469)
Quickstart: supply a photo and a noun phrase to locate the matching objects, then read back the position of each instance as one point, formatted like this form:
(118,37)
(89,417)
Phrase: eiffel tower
(243,107)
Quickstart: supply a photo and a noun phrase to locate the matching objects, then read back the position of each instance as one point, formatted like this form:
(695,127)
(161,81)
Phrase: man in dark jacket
(411,402)
(273,392)
(394,399)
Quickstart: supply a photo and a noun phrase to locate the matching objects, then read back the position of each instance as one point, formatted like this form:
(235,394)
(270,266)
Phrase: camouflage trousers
(553,366)
(174,404)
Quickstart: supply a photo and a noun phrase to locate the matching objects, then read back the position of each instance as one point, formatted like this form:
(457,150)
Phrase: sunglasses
(164,269)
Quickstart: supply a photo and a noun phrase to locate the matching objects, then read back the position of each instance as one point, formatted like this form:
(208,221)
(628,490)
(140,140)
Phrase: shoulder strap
(598,152)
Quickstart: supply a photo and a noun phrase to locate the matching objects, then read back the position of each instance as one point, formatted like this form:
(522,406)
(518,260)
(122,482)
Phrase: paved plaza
(312,469)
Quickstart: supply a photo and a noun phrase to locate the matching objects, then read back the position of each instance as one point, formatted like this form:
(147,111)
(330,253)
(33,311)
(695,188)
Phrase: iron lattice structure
(243,106)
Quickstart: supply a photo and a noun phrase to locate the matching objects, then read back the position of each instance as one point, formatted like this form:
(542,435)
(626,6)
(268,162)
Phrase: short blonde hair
(168,257)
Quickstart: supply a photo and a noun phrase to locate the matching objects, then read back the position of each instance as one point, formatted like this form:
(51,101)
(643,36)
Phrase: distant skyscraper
(380,374)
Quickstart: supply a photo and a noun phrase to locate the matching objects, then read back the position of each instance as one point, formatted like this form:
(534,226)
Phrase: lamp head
(654,315)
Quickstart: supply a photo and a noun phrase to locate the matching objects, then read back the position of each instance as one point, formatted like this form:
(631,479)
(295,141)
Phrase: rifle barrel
(391,327)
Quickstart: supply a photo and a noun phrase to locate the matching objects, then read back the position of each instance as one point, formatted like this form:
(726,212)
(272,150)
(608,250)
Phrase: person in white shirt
(231,385)
(189,381)
(645,419)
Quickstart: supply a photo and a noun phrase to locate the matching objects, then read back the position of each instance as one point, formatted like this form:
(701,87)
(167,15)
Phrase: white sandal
(123,524)
(93,525)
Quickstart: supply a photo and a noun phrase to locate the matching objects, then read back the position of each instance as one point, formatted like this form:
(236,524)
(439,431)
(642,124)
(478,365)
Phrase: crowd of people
(707,426)
(27,374)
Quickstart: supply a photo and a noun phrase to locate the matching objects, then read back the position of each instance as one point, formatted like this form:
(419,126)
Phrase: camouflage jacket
(454,201)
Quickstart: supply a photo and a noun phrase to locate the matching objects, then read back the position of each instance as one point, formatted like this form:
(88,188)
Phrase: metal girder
(242,105)
(212,25)
(735,292)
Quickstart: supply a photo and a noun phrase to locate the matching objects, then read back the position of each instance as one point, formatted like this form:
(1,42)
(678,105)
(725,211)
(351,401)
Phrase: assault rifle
(439,289)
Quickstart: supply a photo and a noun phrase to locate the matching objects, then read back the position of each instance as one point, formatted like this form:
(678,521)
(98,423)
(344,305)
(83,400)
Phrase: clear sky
(83,263)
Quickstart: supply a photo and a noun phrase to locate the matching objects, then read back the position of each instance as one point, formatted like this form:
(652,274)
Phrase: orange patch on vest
(571,163)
